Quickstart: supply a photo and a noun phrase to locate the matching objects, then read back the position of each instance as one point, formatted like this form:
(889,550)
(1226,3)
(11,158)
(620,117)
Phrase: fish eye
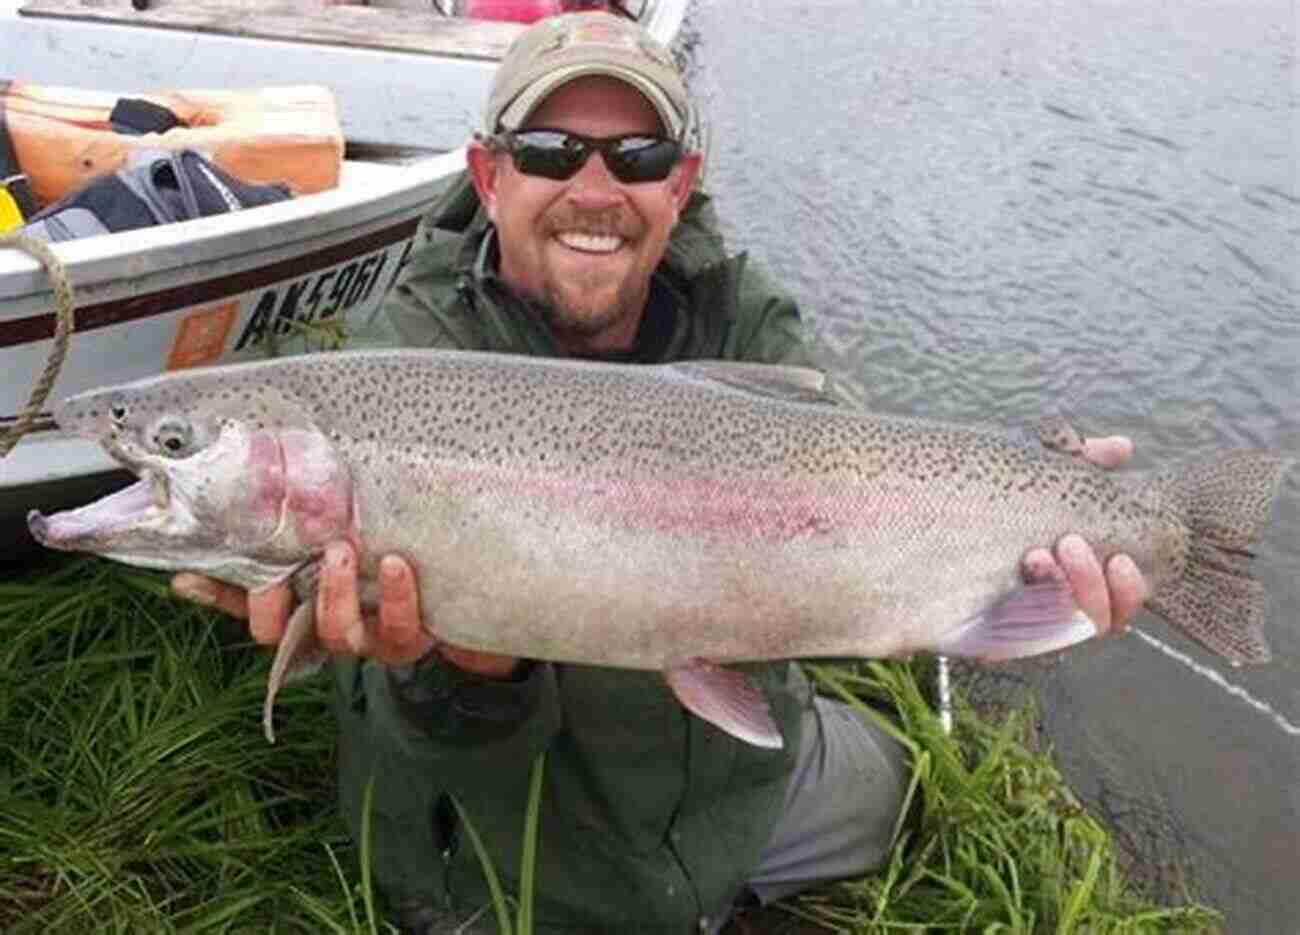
(172,436)
(118,413)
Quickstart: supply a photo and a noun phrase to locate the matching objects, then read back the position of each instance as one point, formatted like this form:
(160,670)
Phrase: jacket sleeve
(768,326)
(425,307)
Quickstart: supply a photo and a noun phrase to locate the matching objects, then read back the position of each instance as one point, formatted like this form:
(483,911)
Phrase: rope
(65,321)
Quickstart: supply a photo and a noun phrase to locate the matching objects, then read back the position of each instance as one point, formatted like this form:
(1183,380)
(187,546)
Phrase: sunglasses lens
(556,155)
(642,158)
(547,154)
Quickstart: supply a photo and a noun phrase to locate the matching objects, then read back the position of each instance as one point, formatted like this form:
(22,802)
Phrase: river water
(990,209)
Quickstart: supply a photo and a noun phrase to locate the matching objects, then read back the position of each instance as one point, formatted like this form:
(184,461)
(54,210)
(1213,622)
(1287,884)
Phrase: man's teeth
(590,243)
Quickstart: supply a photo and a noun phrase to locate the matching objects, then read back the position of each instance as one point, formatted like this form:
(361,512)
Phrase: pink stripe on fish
(752,509)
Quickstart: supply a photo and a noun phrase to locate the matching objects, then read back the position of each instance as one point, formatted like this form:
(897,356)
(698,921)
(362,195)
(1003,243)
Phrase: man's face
(586,246)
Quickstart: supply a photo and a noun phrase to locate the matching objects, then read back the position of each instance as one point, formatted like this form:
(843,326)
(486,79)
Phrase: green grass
(1001,845)
(135,795)
(138,795)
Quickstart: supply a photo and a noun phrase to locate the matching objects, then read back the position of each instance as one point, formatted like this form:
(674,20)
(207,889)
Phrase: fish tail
(1223,504)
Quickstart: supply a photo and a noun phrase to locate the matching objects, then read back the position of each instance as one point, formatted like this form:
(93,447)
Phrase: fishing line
(1213,675)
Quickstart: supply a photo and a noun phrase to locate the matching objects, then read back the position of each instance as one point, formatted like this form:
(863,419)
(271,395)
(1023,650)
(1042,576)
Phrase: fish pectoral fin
(297,656)
(1028,620)
(726,699)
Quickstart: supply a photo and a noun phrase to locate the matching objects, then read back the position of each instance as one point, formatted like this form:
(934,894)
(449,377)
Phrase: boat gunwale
(345,212)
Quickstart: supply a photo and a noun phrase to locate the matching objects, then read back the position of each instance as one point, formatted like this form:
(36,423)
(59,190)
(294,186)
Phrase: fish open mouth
(146,502)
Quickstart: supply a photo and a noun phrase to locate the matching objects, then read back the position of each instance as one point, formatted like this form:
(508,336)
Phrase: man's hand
(393,637)
(1109,597)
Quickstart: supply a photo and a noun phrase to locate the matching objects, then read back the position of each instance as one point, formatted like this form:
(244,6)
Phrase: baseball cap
(559,49)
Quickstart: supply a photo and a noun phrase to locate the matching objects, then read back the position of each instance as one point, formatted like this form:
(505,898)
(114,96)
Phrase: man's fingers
(268,613)
(1087,582)
(211,593)
(401,636)
(267,610)
(1128,590)
(338,605)
(1109,598)
(1040,565)
(1108,452)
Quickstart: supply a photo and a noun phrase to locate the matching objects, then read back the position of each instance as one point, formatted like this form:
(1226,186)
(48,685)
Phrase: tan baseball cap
(559,49)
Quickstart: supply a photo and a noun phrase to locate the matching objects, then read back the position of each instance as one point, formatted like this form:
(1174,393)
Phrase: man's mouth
(590,243)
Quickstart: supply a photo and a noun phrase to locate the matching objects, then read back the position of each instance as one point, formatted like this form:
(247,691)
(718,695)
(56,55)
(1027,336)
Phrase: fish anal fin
(297,656)
(726,699)
(1029,620)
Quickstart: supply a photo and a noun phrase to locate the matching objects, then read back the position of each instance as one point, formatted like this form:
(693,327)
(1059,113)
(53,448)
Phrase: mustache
(615,221)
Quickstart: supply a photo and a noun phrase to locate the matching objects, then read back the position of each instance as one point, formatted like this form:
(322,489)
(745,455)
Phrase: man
(578,232)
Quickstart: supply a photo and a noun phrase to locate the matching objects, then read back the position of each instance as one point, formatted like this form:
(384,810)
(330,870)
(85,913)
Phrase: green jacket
(651,818)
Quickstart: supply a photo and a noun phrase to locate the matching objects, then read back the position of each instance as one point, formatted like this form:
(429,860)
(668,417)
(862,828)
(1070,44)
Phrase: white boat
(405,76)
(408,83)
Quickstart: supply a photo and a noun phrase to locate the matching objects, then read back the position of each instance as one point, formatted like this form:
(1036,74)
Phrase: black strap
(135,116)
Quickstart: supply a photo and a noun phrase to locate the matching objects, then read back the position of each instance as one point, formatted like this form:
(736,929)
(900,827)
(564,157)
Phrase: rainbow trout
(673,517)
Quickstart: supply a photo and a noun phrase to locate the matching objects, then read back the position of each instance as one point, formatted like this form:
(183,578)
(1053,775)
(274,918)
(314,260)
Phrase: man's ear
(684,176)
(484,169)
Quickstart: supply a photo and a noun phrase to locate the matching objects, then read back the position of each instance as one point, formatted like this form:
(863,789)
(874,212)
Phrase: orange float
(62,137)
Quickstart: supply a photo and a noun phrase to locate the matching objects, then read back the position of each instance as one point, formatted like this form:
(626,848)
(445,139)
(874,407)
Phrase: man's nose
(594,184)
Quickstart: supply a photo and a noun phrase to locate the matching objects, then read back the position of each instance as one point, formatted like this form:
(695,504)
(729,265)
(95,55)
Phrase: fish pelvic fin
(1224,502)
(296,656)
(1028,620)
(725,698)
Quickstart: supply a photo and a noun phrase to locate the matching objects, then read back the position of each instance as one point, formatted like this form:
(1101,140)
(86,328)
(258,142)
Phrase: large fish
(669,517)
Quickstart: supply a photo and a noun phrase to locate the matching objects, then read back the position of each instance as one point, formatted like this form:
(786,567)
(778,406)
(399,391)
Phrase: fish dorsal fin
(1053,432)
(1056,432)
(781,381)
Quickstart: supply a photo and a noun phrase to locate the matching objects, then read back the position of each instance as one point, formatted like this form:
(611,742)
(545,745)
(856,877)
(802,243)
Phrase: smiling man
(584,248)
(579,231)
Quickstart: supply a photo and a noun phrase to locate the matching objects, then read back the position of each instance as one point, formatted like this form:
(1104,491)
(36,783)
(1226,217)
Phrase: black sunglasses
(558,155)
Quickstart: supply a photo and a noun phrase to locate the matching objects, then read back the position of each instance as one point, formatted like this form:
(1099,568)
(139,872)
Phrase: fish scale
(672,517)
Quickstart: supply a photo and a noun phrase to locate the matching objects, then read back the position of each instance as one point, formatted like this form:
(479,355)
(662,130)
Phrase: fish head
(240,486)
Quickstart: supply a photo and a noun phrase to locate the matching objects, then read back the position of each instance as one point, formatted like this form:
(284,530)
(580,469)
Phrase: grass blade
(528,858)
(489,870)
